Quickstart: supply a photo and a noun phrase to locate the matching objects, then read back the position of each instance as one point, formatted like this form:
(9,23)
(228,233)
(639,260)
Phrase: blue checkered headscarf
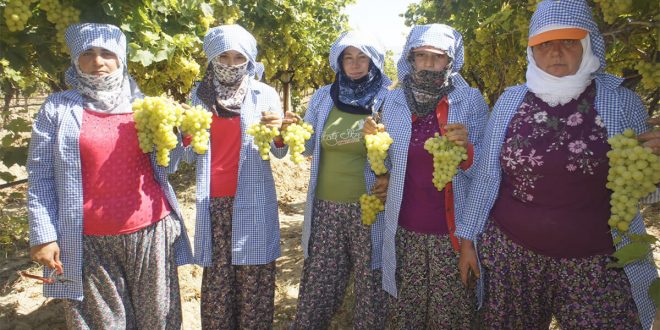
(569,13)
(366,44)
(233,37)
(84,36)
(436,35)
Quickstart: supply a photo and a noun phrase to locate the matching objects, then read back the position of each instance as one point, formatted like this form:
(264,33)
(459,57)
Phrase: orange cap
(558,34)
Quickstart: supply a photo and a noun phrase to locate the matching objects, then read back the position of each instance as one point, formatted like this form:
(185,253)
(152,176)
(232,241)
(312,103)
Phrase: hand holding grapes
(289,118)
(372,127)
(380,187)
(651,139)
(271,119)
(458,134)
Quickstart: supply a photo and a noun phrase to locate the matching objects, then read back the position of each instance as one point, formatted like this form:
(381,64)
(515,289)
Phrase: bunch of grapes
(446,157)
(650,74)
(262,137)
(612,9)
(61,16)
(370,205)
(634,173)
(295,136)
(16,14)
(155,119)
(377,146)
(196,122)
(184,71)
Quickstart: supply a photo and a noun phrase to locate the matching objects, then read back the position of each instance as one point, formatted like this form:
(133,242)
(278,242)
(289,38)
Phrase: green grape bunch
(155,120)
(17,13)
(377,146)
(650,74)
(263,135)
(446,157)
(370,205)
(295,136)
(634,173)
(196,122)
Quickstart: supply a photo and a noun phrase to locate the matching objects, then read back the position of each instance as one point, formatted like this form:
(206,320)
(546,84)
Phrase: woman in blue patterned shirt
(237,234)
(335,241)
(420,251)
(101,212)
(538,207)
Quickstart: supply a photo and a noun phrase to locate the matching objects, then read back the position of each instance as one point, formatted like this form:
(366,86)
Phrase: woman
(538,207)
(237,235)
(101,211)
(420,251)
(335,241)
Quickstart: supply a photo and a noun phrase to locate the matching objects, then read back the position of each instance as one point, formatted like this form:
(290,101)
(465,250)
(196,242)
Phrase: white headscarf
(561,90)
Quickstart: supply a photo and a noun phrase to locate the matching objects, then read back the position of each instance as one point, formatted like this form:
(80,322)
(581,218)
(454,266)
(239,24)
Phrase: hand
(271,119)
(371,127)
(47,254)
(651,139)
(467,264)
(458,134)
(380,187)
(289,118)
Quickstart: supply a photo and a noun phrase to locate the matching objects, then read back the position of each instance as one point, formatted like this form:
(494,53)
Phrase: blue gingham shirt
(255,238)
(55,194)
(620,108)
(466,106)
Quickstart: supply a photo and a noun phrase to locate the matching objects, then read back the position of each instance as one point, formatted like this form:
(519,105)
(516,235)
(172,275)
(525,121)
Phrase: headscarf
(357,96)
(111,93)
(224,87)
(424,89)
(553,15)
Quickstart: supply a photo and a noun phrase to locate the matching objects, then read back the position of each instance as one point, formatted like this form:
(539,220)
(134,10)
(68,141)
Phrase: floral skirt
(523,289)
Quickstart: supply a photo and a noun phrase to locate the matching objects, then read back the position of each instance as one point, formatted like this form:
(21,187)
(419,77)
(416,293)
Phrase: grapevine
(295,136)
(370,205)
(262,138)
(446,157)
(634,172)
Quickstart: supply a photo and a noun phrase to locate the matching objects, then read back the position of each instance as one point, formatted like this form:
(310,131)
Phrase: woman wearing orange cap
(538,207)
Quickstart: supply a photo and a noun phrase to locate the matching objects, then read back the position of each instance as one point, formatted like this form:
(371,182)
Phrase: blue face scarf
(356,96)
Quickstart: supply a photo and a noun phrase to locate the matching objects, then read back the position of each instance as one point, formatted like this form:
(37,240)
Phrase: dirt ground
(23,307)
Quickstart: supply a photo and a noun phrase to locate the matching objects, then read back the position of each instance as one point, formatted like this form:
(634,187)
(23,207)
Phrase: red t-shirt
(225,151)
(120,192)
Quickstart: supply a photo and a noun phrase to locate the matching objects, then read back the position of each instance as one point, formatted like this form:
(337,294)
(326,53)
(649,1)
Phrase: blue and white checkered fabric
(55,200)
(255,238)
(466,106)
(81,37)
(574,13)
(620,108)
(233,37)
(366,44)
(318,109)
(437,35)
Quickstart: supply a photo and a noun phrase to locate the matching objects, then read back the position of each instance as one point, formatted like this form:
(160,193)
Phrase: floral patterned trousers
(234,296)
(339,243)
(430,293)
(523,289)
(130,281)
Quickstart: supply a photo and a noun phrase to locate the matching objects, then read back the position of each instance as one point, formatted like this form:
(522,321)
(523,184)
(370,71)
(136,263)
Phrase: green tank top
(343,157)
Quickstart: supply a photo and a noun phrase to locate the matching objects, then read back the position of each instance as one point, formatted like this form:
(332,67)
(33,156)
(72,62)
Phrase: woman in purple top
(538,206)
